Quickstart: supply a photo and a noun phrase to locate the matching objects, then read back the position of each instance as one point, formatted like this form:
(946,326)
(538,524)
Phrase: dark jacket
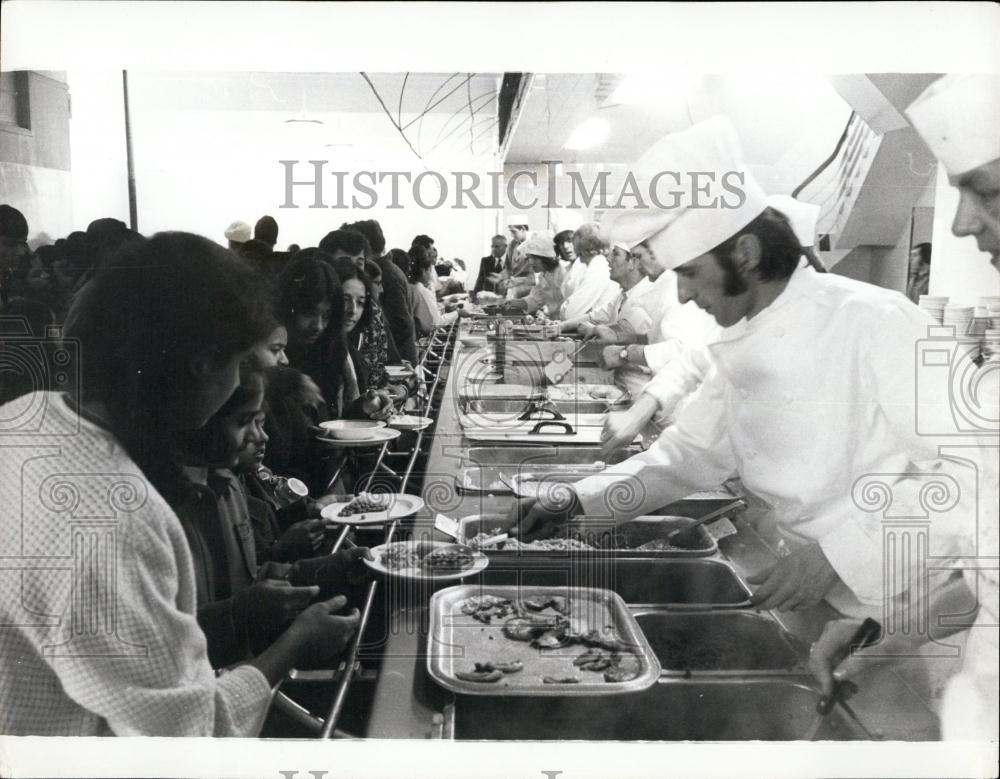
(396,305)
(488,265)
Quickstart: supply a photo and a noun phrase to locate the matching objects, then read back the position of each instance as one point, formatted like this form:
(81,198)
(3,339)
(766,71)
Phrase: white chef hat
(519,220)
(677,235)
(565,219)
(802,216)
(958,116)
(239,232)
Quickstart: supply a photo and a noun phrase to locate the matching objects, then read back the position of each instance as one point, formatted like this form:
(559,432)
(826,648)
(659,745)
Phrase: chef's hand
(586,329)
(320,633)
(830,658)
(620,429)
(603,334)
(611,358)
(532,519)
(800,580)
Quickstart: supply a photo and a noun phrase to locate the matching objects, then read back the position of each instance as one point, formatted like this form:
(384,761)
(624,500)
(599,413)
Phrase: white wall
(97,146)
(958,269)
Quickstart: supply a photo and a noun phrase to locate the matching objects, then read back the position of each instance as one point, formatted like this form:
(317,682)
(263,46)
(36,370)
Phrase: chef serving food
(810,389)
(959,118)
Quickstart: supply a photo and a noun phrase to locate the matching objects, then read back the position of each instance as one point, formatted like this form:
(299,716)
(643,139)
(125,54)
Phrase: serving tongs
(683,532)
(869,633)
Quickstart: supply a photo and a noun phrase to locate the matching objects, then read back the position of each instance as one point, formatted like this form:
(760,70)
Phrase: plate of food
(409,422)
(370,508)
(377,437)
(431,560)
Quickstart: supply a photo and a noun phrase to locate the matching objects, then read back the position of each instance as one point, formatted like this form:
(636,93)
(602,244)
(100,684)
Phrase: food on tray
(490,672)
(399,556)
(366,502)
(485,540)
(479,676)
(656,545)
(448,559)
(560,680)
(529,628)
(556,602)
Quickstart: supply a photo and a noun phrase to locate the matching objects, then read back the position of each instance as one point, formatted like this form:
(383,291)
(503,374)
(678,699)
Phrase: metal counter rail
(348,668)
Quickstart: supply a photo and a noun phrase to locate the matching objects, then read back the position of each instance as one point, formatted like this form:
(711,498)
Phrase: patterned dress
(374,348)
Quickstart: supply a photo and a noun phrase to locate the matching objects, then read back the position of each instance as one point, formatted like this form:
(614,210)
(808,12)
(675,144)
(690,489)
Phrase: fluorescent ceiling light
(650,89)
(589,133)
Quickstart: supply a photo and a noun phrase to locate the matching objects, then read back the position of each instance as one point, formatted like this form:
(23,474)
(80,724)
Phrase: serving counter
(771,696)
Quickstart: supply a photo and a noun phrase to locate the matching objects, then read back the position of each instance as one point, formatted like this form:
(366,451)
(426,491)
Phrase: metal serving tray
(680,584)
(703,710)
(496,479)
(456,642)
(619,541)
(721,643)
(534,455)
(518,407)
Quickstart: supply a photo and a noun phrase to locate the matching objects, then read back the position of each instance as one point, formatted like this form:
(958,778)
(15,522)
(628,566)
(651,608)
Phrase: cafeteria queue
(205,374)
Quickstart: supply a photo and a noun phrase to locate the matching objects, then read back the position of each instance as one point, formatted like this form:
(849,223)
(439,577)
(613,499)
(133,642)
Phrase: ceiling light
(589,133)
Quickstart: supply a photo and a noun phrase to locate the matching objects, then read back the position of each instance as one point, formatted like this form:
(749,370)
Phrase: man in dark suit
(491,267)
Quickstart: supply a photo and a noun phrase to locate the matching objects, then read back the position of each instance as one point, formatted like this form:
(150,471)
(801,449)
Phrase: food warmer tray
(456,642)
(627,535)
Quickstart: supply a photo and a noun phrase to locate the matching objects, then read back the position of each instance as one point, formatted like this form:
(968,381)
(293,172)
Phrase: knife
(869,633)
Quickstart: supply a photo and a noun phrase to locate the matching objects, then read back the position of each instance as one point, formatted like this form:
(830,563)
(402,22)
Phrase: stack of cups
(958,316)
(991,345)
(934,305)
(992,306)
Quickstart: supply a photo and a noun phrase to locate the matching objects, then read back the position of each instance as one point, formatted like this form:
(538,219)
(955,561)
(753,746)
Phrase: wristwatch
(623,355)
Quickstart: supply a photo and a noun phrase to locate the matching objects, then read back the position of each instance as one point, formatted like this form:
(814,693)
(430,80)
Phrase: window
(14,109)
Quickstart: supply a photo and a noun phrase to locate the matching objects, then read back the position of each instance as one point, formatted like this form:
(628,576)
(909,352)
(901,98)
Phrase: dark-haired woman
(311,307)
(164,326)
(359,311)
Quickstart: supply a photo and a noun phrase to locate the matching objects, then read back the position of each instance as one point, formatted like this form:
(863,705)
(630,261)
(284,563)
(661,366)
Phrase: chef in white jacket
(680,359)
(810,390)
(959,118)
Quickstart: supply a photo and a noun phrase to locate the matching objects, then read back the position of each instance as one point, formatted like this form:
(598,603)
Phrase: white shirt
(436,318)
(574,275)
(68,488)
(595,289)
(810,396)
(675,327)
(625,308)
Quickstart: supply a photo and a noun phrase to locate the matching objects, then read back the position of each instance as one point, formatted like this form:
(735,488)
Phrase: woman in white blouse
(426,315)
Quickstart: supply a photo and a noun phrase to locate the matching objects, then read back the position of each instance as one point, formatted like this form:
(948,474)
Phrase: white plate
(351,429)
(402,505)
(409,422)
(398,371)
(479,562)
(379,437)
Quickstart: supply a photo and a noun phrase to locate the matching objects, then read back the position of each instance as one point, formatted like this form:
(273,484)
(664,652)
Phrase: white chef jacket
(626,308)
(674,327)
(679,379)
(574,275)
(809,396)
(969,708)
(595,289)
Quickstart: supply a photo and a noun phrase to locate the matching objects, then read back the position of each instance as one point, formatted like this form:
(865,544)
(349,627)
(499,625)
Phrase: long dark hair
(146,313)
(307,281)
(347,270)
(420,261)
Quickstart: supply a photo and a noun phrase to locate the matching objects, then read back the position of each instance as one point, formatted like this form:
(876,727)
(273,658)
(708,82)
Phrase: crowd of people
(203,373)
